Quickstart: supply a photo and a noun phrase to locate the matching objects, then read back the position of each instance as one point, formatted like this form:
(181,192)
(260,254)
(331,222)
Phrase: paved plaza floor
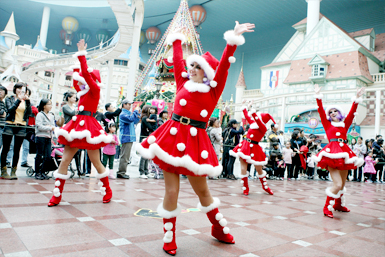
(290,223)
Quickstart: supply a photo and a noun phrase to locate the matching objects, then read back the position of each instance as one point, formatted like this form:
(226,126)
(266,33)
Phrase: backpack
(226,137)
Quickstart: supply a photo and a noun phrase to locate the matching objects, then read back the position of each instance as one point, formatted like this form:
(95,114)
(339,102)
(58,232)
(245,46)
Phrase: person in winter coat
(181,146)
(336,156)
(127,121)
(18,112)
(378,154)
(360,150)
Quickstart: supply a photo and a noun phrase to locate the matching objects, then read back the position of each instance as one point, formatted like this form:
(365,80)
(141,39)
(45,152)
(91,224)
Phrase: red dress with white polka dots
(248,151)
(184,149)
(84,132)
(337,155)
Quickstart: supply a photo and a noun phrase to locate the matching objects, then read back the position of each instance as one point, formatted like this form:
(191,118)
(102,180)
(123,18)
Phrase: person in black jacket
(231,136)
(3,111)
(18,111)
(146,129)
(296,143)
(111,114)
(378,154)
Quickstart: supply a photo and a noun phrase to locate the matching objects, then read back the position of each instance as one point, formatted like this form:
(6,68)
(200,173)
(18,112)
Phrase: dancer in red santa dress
(181,145)
(83,131)
(249,150)
(336,156)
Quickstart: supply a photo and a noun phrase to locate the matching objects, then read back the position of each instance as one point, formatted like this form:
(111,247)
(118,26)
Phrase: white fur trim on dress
(233,39)
(232,59)
(357,100)
(79,78)
(210,73)
(172,37)
(80,53)
(263,174)
(56,174)
(103,175)
(340,124)
(71,136)
(247,158)
(318,96)
(330,194)
(206,209)
(254,125)
(168,214)
(354,160)
(184,161)
(192,86)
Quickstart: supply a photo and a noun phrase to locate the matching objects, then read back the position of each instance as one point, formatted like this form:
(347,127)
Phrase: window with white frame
(318,70)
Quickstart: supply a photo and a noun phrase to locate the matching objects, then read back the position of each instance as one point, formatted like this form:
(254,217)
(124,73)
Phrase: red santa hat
(78,75)
(207,62)
(265,117)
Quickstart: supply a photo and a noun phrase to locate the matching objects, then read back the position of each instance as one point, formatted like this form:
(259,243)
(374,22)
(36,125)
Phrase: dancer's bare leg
(68,155)
(171,193)
(199,184)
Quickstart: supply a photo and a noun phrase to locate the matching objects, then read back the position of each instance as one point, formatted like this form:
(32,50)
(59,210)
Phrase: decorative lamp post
(158,86)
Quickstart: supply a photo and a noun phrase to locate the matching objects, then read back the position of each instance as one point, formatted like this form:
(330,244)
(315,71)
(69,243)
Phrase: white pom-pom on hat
(151,140)
(193,131)
(170,59)
(173,131)
(232,59)
(181,147)
(213,83)
(184,74)
(90,70)
(204,154)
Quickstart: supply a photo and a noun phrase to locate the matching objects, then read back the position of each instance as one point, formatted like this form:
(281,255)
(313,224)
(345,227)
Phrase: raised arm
(246,114)
(81,55)
(321,109)
(258,121)
(233,39)
(356,100)
(176,40)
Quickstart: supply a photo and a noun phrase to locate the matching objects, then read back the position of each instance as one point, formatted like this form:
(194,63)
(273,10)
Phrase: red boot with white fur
(104,185)
(340,202)
(169,220)
(330,202)
(219,229)
(245,183)
(265,187)
(58,191)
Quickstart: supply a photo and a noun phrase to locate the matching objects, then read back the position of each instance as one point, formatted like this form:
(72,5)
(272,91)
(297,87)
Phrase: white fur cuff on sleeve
(356,100)
(233,39)
(80,53)
(175,36)
(75,67)
(318,96)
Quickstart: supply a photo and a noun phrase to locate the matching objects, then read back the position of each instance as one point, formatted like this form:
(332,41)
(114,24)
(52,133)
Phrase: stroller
(154,169)
(53,163)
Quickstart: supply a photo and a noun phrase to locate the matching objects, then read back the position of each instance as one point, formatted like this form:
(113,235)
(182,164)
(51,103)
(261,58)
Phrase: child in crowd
(287,155)
(279,171)
(153,119)
(110,149)
(369,166)
(310,166)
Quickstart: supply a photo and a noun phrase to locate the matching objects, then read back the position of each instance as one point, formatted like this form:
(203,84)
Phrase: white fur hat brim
(210,73)
(337,107)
